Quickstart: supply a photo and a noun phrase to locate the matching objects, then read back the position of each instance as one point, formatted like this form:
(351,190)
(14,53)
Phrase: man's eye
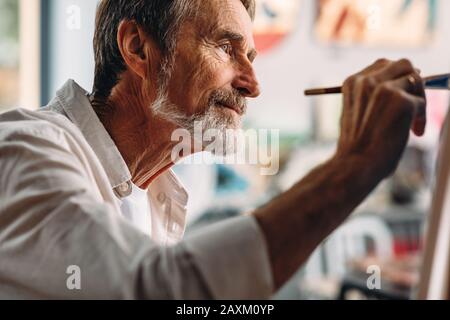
(227,48)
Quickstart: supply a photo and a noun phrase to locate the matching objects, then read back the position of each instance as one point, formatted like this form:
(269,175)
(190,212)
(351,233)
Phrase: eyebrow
(235,36)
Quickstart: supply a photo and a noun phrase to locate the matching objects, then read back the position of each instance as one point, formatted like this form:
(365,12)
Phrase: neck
(143,139)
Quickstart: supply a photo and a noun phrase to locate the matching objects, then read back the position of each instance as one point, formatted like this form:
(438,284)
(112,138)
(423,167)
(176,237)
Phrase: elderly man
(89,207)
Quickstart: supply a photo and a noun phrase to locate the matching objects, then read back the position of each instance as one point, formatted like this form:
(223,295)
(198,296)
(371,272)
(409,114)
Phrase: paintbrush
(437,82)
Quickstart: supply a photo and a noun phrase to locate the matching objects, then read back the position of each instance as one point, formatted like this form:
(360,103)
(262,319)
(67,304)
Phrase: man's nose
(246,83)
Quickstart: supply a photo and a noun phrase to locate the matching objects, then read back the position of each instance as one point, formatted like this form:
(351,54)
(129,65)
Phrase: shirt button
(162,197)
(124,187)
(124,190)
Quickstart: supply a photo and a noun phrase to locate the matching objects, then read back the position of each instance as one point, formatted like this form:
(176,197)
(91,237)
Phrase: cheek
(195,80)
(210,77)
(215,77)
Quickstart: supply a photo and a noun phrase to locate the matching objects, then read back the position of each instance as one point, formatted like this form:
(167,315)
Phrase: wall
(300,62)
(68,38)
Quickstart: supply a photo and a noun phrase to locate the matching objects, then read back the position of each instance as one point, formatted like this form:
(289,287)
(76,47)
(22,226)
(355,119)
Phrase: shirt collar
(73,101)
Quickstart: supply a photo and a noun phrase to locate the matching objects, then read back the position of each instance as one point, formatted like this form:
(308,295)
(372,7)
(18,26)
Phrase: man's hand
(381,104)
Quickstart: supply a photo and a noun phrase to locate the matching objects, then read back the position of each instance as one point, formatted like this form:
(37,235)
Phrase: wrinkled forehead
(229,15)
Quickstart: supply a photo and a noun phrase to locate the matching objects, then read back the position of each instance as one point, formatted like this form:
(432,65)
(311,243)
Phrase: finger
(350,83)
(362,91)
(394,70)
(377,65)
(413,87)
(420,119)
(350,92)
(419,126)
(411,83)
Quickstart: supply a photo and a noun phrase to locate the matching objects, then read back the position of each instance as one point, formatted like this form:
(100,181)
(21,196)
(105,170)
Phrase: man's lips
(234,108)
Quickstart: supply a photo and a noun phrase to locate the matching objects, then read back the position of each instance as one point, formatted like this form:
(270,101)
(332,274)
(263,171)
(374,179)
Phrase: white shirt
(62,184)
(136,209)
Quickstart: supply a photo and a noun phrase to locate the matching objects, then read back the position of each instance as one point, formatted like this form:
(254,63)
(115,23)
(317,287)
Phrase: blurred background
(302,43)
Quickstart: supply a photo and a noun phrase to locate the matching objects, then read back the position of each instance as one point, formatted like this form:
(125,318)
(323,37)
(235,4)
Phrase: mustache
(229,99)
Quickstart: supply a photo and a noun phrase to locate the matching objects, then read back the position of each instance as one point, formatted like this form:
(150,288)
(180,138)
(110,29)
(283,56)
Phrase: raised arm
(381,104)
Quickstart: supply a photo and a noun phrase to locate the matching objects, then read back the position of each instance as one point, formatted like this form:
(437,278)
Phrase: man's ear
(139,51)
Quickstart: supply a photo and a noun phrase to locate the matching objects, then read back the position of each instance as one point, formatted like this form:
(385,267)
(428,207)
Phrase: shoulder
(35,145)
(36,127)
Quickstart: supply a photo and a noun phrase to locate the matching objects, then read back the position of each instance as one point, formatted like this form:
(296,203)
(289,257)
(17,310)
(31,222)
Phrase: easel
(435,272)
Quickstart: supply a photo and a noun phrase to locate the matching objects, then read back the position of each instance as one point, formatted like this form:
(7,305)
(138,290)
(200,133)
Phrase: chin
(232,120)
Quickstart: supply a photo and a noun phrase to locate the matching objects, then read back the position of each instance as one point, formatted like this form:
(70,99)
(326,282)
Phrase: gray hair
(161,19)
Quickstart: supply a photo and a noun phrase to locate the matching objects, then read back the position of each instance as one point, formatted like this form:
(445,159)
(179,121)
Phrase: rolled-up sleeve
(52,218)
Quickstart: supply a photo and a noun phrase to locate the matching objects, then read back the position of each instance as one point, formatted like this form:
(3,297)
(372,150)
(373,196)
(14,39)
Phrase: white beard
(225,128)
